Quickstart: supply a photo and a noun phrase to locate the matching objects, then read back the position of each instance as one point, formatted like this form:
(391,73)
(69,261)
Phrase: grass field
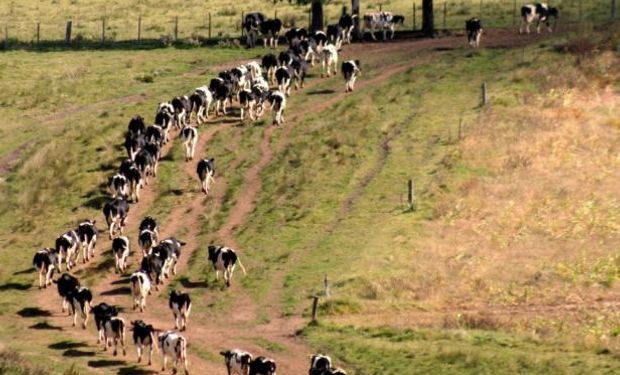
(508,264)
(158,18)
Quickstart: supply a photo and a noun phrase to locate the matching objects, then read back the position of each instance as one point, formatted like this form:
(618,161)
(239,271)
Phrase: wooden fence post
(6,36)
(210,25)
(326,286)
(176,28)
(103,30)
(139,28)
(411,200)
(38,32)
(315,305)
(483,92)
(445,14)
(68,33)
(414,20)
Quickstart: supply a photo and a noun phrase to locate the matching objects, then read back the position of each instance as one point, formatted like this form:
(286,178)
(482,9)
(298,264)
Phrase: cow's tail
(184,352)
(241,265)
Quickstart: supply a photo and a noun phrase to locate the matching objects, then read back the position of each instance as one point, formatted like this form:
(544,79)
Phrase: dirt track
(240,329)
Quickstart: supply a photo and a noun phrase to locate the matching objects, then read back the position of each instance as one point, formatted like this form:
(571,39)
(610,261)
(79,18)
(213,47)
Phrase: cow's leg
(139,350)
(538,27)
(163,360)
(115,342)
(85,315)
(41,270)
(150,353)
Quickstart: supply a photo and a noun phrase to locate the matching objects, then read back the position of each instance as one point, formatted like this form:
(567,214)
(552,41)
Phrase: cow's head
(212,250)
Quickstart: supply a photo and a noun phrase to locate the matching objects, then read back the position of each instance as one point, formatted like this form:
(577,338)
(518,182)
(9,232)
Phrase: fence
(202,23)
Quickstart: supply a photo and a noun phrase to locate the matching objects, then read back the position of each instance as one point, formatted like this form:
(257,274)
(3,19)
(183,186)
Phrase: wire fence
(202,24)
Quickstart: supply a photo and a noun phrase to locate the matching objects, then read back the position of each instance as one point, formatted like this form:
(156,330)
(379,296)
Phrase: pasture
(507,263)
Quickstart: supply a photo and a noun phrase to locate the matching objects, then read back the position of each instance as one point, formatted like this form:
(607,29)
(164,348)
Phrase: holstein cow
(473,27)
(270,29)
(149,223)
(539,12)
(237,361)
(140,288)
(87,233)
(152,265)
(45,262)
(270,64)
(136,126)
(224,259)
(347,23)
(254,70)
(247,103)
(120,248)
(334,35)
(80,300)
(295,34)
(155,134)
(133,144)
(319,363)
(381,21)
(300,71)
(263,366)
(164,118)
(118,185)
(147,239)
(206,173)
(350,70)
(102,312)
(115,213)
(277,99)
(130,170)
(143,336)
(181,305)
(329,59)
(320,38)
(283,78)
(67,246)
(189,137)
(174,345)
(173,248)
(113,333)
(66,284)
(334,371)
(201,101)
(182,110)
(251,25)
(222,92)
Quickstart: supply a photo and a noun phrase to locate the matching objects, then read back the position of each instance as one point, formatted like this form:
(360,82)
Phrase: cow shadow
(78,353)
(175,192)
(33,312)
(135,370)
(105,363)
(97,202)
(321,92)
(123,280)
(441,49)
(66,344)
(23,272)
(187,283)
(45,326)
(117,291)
(14,286)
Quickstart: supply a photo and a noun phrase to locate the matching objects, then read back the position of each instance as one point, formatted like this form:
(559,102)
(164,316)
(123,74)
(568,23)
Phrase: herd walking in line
(250,85)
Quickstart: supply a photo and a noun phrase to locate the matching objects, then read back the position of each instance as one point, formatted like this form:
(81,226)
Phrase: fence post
(326,285)
(315,305)
(38,32)
(275,14)
(411,194)
(414,11)
(514,13)
(6,36)
(102,30)
(483,92)
(445,14)
(176,28)
(139,28)
(68,33)
(613,9)
(210,25)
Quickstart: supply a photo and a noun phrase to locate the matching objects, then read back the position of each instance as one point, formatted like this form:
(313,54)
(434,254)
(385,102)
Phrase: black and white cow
(269,63)
(334,371)
(182,109)
(347,23)
(181,305)
(66,284)
(206,173)
(154,134)
(284,76)
(247,103)
(173,247)
(164,117)
(189,137)
(286,57)
(143,336)
(300,71)
(87,233)
(350,70)
(254,70)
(145,164)
(263,366)
(115,213)
(118,185)
(140,288)
(224,259)
(136,126)
(270,29)
(130,170)
(149,223)
(237,361)
(222,90)
(67,248)
(80,300)
(329,60)
(113,332)
(295,35)
(102,312)
(251,25)
(319,363)
(320,38)
(539,12)
(174,345)
(381,21)
(152,265)
(334,35)
(133,144)
(201,101)
(45,262)
(120,248)
(146,240)
(277,100)
(242,79)
(473,27)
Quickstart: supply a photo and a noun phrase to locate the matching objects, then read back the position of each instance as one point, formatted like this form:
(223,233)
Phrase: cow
(254,70)
(269,62)
(182,110)
(263,366)
(295,35)
(329,60)
(189,137)
(334,35)
(300,71)
(143,336)
(347,24)
(146,240)
(308,50)
(319,363)
(66,284)
(80,300)
(247,102)
(350,71)
(251,25)
(241,80)
(201,101)
(224,259)
(45,262)
(270,29)
(174,345)
(206,173)
(181,305)
(539,12)
(173,250)
(253,101)
(222,92)
(334,371)
(153,266)
(133,144)
(120,248)
(136,126)
(113,332)
(473,27)
(102,312)
(149,223)
(320,39)
(155,134)
(87,234)
(145,164)
(140,288)
(164,117)
(383,21)
(118,185)
(283,78)
(67,246)
(277,99)
(237,361)
(115,212)
(133,175)
(286,57)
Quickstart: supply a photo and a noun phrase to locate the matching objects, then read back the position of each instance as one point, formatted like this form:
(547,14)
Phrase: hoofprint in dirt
(279,330)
